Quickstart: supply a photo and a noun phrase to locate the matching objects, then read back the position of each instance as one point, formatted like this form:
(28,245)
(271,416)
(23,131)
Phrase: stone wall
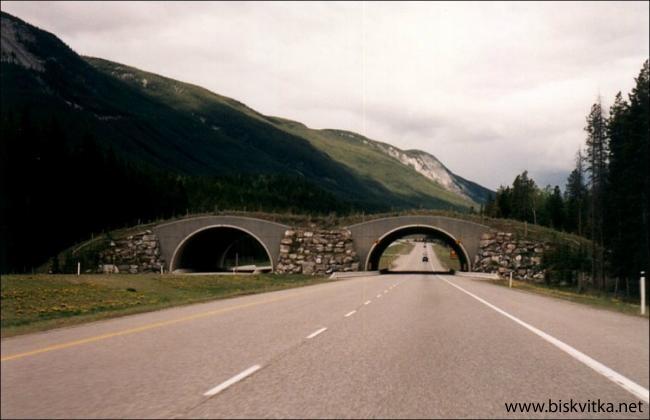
(318,251)
(137,253)
(502,253)
(313,251)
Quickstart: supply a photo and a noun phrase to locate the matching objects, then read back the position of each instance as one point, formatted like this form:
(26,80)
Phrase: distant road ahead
(383,346)
(413,260)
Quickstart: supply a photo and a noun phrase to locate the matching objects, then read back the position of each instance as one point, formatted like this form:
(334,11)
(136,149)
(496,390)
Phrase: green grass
(442,252)
(360,155)
(40,302)
(595,299)
(393,252)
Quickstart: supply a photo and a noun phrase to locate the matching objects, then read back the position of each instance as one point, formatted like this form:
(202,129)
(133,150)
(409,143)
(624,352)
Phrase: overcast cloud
(489,88)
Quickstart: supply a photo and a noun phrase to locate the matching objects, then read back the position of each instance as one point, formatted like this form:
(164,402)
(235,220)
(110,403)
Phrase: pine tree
(555,209)
(523,198)
(618,187)
(629,182)
(575,196)
(597,160)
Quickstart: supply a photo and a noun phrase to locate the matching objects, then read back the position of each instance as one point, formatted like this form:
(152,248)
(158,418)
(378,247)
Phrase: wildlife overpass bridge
(216,243)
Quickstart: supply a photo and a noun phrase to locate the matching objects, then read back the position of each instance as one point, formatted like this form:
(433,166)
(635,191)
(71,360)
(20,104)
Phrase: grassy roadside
(393,252)
(601,301)
(442,252)
(40,302)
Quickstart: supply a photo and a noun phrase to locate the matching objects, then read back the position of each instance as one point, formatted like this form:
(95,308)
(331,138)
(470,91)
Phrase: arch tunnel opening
(221,249)
(417,249)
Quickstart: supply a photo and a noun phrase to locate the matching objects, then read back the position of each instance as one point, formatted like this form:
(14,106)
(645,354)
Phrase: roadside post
(78,268)
(510,282)
(642,286)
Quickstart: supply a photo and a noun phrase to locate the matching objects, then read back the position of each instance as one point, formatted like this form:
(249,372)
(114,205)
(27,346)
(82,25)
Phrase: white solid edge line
(367,302)
(625,383)
(315,333)
(217,389)
(350,313)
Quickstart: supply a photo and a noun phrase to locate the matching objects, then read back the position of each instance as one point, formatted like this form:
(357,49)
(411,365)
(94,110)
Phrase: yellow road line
(138,329)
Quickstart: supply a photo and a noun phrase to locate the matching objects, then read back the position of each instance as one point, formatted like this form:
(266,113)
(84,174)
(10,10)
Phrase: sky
(490,89)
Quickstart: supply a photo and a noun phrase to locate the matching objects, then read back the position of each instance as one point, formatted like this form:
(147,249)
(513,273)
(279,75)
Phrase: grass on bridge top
(333,221)
(43,301)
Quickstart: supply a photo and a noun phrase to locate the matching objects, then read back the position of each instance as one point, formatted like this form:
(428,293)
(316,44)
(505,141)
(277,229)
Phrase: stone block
(308,267)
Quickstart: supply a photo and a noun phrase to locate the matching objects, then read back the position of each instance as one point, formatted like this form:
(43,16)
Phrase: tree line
(59,187)
(605,197)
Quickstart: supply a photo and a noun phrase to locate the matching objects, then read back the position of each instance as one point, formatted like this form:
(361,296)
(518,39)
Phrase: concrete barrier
(487,276)
(349,274)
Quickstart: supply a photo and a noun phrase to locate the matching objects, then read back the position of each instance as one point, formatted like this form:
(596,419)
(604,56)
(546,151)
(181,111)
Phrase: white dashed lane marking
(315,333)
(217,389)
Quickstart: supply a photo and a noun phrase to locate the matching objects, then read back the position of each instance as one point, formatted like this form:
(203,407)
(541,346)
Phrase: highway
(413,260)
(397,346)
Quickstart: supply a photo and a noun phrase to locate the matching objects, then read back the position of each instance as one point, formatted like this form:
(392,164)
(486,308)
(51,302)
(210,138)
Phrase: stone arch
(173,235)
(380,245)
(367,234)
(190,253)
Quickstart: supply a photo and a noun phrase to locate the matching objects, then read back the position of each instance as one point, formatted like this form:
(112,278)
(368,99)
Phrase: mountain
(181,127)
(89,144)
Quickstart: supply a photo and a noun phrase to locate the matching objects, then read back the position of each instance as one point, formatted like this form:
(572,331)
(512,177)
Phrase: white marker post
(510,282)
(161,270)
(78,268)
(642,286)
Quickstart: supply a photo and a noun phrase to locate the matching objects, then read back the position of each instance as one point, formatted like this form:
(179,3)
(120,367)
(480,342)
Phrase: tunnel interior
(430,233)
(221,249)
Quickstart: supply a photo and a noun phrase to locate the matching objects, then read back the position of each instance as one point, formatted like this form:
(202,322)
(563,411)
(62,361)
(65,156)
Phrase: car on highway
(425,259)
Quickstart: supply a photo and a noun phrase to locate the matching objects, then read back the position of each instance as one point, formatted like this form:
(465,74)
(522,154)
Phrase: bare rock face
(502,253)
(14,40)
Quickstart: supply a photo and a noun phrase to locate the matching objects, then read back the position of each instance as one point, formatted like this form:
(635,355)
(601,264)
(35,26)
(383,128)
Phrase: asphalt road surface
(413,260)
(384,346)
